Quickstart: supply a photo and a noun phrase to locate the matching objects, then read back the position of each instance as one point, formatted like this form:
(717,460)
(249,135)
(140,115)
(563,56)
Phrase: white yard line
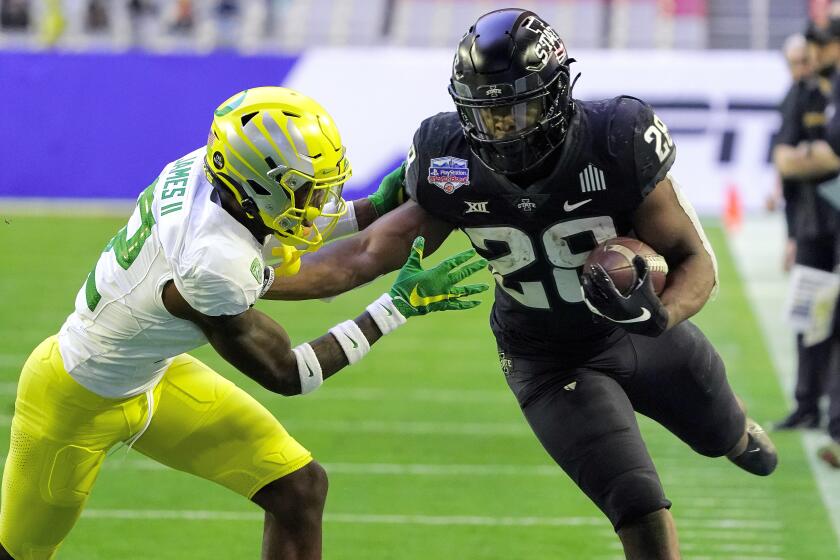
(738,557)
(458,396)
(717,546)
(65,207)
(757,252)
(443,470)
(710,535)
(469,520)
(391,469)
(362,394)
(704,557)
(699,505)
(690,503)
(398,519)
(440,429)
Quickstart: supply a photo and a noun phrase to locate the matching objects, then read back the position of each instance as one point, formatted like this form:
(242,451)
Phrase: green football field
(428,455)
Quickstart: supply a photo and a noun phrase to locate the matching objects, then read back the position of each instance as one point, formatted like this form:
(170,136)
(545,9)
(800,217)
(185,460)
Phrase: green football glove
(391,192)
(417,291)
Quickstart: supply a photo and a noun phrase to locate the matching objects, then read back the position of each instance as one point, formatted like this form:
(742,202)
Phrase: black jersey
(538,237)
(804,120)
(790,187)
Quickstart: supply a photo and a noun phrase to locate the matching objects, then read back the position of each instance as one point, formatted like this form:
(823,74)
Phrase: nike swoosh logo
(416,300)
(355,344)
(756,450)
(640,319)
(570,207)
(388,311)
(311,373)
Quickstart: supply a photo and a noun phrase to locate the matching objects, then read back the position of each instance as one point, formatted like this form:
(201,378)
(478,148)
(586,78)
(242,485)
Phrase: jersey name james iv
(537,238)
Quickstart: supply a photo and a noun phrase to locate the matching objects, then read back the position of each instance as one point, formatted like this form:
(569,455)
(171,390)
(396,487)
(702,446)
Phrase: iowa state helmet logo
(449,173)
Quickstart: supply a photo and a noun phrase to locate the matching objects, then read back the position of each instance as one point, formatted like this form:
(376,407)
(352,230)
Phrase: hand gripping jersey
(537,238)
(120,338)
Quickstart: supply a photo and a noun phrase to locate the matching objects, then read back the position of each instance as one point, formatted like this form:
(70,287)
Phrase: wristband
(352,340)
(309,368)
(385,314)
(268,280)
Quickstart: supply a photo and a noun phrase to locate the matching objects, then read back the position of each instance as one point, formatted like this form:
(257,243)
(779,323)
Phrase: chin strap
(225,182)
(250,208)
(290,260)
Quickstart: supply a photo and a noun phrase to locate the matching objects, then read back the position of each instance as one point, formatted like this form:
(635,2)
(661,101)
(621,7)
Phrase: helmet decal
(548,43)
(222,111)
(495,90)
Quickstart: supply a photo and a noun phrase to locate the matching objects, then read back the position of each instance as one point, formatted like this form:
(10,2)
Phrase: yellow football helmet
(280,154)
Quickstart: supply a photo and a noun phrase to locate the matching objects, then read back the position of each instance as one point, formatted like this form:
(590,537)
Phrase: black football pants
(583,412)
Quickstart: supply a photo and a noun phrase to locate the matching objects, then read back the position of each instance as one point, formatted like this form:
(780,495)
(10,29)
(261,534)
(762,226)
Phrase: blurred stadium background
(428,454)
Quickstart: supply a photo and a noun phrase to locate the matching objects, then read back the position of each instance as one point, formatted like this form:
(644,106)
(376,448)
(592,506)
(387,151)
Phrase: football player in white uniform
(185,271)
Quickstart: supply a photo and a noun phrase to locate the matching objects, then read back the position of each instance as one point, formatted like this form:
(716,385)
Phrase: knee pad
(632,495)
(723,432)
(43,495)
(72,475)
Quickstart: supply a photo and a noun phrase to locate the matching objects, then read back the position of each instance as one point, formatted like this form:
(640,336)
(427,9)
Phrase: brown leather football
(616,257)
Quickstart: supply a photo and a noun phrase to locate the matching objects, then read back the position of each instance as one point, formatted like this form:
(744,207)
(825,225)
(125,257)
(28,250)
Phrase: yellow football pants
(202,424)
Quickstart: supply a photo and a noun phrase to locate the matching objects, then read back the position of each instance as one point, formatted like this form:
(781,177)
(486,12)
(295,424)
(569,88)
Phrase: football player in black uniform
(805,160)
(536,179)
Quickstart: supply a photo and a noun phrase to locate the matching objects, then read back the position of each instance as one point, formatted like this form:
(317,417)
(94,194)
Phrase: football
(616,258)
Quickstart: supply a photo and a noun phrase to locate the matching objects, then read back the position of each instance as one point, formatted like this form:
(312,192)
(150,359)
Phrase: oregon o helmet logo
(218,160)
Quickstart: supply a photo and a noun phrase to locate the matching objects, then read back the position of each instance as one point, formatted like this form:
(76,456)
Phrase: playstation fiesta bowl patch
(449,173)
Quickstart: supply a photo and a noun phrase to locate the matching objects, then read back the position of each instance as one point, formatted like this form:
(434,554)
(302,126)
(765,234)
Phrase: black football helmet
(510,84)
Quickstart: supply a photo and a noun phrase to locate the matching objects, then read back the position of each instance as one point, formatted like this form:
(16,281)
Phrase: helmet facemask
(315,206)
(517,133)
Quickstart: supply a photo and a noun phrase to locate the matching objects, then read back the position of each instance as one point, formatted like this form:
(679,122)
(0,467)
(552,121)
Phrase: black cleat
(760,457)
(830,454)
(798,420)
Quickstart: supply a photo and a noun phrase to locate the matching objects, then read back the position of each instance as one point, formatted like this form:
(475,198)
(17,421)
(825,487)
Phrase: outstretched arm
(260,348)
(344,264)
(257,346)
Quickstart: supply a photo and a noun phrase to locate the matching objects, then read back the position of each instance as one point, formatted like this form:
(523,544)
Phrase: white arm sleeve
(347,223)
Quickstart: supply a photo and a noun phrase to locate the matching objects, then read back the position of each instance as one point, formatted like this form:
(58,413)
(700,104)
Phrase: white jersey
(120,339)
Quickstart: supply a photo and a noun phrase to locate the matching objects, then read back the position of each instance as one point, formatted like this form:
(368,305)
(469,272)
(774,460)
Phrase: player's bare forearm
(329,352)
(355,260)
(667,222)
(259,347)
(334,269)
(690,283)
(807,161)
(365,212)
